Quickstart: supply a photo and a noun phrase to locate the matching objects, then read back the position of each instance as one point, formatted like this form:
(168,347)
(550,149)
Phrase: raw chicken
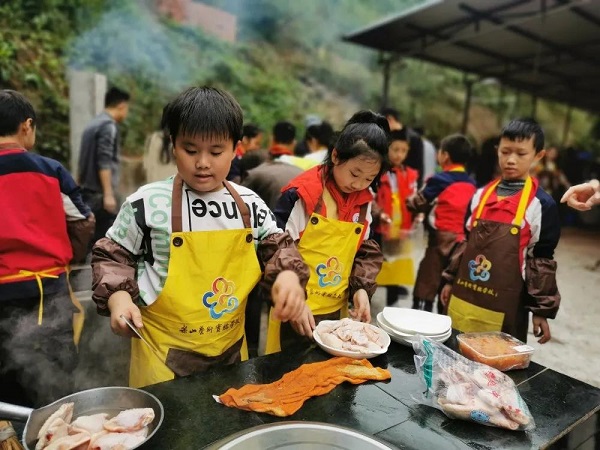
(347,334)
(91,424)
(57,429)
(116,441)
(127,430)
(65,413)
(79,441)
(484,395)
(130,420)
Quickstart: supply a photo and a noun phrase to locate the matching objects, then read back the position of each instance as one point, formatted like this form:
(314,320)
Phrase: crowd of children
(186,254)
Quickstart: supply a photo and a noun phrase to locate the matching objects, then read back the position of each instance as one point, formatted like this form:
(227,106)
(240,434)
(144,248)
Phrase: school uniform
(505,268)
(332,231)
(445,199)
(189,260)
(397,185)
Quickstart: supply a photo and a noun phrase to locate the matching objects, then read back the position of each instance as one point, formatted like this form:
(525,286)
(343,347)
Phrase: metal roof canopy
(549,48)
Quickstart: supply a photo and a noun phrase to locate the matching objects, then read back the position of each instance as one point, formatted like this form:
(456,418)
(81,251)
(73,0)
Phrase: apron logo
(479,268)
(220,300)
(329,273)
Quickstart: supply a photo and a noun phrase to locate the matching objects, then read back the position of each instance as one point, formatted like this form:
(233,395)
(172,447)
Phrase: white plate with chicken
(347,337)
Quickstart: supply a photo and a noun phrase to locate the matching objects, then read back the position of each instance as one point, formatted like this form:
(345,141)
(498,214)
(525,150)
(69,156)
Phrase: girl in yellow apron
(506,268)
(327,209)
(193,241)
(395,222)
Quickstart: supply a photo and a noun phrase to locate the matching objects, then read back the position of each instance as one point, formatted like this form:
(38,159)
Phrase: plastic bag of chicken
(468,390)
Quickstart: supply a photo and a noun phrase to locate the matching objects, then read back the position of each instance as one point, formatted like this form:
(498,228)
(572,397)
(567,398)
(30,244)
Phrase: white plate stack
(402,324)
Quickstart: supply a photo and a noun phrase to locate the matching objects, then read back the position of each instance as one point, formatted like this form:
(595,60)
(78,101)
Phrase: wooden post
(467,106)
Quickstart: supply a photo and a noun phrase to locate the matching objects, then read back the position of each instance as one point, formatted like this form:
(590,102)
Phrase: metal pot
(109,400)
(299,436)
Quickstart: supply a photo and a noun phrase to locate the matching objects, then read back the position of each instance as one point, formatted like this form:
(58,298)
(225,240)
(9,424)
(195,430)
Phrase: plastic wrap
(468,390)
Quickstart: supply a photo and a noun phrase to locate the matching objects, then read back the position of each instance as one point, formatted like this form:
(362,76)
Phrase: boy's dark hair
(365,134)
(284,132)
(14,110)
(251,130)
(524,128)
(323,133)
(392,112)
(398,135)
(458,147)
(204,111)
(114,96)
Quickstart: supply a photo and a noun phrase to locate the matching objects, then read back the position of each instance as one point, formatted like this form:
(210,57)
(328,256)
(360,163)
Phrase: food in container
(496,349)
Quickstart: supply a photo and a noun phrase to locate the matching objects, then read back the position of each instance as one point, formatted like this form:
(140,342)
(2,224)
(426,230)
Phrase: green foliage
(289,60)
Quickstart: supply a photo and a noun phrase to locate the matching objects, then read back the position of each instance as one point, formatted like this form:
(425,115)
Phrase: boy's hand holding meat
(305,324)
(362,308)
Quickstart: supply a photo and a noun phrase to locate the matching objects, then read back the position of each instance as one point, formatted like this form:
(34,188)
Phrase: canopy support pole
(567,126)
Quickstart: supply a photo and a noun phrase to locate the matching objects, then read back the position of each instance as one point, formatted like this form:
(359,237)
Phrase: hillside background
(288,61)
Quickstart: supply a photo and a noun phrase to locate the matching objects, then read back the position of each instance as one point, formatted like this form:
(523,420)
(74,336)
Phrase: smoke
(39,363)
(132,41)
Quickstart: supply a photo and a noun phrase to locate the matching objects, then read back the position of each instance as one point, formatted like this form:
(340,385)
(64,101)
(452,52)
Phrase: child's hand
(583,196)
(288,296)
(305,324)
(418,220)
(445,295)
(384,218)
(120,303)
(362,307)
(541,329)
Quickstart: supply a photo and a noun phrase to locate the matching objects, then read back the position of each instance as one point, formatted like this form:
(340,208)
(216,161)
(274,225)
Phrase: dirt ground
(575,348)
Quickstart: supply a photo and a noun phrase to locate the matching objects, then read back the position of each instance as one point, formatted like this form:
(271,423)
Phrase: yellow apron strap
(78,317)
(484,198)
(523,202)
(273,344)
(38,278)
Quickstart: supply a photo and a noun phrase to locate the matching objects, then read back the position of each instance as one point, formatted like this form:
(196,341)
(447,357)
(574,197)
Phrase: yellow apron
(398,268)
(198,318)
(486,294)
(328,247)
(53,272)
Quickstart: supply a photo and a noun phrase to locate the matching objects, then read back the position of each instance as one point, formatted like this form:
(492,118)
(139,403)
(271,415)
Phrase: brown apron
(487,294)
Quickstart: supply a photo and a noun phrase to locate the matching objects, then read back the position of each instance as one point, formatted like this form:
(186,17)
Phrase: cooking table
(384,409)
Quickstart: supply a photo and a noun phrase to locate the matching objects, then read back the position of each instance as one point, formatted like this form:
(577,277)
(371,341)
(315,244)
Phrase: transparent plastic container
(496,349)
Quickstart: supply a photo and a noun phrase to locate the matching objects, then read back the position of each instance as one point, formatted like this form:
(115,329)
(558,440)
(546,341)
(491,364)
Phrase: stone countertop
(386,410)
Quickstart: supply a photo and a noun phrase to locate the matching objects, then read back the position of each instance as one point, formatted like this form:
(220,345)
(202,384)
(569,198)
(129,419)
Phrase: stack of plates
(402,324)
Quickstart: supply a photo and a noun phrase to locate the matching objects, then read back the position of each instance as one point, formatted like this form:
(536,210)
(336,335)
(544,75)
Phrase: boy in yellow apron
(327,209)
(184,253)
(505,268)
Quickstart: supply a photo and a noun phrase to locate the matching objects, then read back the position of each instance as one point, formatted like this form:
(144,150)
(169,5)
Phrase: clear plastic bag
(468,390)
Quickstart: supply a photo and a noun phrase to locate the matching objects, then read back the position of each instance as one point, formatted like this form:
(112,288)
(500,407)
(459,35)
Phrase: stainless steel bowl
(299,436)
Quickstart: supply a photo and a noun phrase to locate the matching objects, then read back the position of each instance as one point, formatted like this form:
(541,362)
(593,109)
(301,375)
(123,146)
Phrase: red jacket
(33,234)
(309,187)
(407,187)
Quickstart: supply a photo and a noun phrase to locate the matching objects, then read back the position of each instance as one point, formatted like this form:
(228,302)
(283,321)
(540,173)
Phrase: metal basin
(111,400)
(300,436)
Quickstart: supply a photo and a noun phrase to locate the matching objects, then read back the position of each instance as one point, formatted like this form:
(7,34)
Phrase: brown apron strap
(363,213)
(176,205)
(240,204)
(176,224)
(319,205)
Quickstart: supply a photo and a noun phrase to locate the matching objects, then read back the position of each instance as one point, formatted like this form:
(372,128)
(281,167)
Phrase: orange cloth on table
(287,395)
